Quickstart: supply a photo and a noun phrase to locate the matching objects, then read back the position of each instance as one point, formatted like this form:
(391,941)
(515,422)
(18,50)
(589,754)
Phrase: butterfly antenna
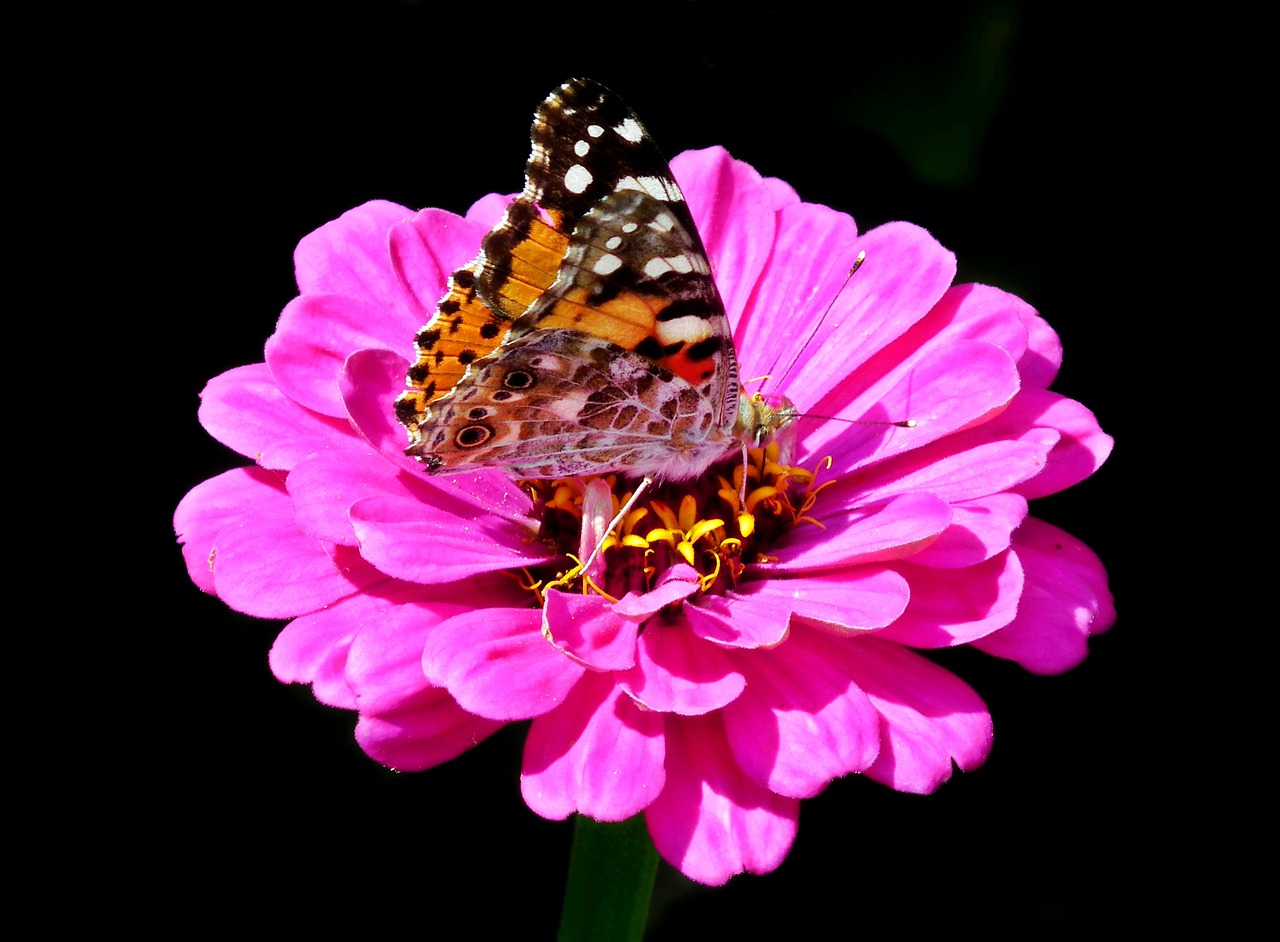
(857,263)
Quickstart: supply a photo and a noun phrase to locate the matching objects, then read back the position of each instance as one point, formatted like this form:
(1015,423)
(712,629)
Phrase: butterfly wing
(600,246)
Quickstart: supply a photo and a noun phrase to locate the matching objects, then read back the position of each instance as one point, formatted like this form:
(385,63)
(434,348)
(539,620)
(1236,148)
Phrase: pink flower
(746,668)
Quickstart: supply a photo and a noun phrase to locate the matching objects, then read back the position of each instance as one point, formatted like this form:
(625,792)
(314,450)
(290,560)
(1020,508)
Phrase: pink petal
(677,672)
(404,721)
(313,650)
(1081,449)
(313,338)
(674,585)
(371,381)
(955,606)
(932,719)
(348,257)
(488,209)
(980,529)
(861,599)
(326,484)
(598,754)
(213,506)
(812,253)
(961,475)
(1066,600)
(711,820)
(904,273)
(497,665)
(802,722)
(433,539)
(424,252)
(739,619)
(978,312)
(1039,365)
(424,729)
(944,392)
(245,410)
(781,193)
(876,533)
(239,526)
(267,568)
(587,629)
(734,215)
(757,613)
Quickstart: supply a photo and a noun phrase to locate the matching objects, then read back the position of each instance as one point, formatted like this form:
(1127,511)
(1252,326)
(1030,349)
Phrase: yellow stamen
(760,498)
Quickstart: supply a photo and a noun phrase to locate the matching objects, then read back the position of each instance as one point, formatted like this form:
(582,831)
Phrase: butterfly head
(759,421)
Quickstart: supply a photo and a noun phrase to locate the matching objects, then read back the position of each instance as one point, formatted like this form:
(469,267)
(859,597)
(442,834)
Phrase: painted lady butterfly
(588,335)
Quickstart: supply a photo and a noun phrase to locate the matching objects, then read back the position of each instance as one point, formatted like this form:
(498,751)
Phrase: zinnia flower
(722,659)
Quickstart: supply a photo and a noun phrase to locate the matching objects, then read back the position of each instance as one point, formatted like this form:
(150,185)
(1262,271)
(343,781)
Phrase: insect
(587,336)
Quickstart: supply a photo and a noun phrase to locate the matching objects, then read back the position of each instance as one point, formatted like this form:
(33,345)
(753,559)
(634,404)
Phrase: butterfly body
(588,336)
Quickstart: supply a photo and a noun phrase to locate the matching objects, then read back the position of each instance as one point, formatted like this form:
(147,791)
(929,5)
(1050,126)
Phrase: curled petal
(1066,600)
(758,614)
(677,672)
(1081,449)
(587,629)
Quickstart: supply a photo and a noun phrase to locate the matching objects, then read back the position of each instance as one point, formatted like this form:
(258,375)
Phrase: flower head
(739,640)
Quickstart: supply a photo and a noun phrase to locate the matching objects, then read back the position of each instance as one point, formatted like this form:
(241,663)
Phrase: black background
(1033,144)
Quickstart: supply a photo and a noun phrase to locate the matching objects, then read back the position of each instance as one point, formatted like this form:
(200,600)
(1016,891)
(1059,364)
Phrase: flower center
(705,523)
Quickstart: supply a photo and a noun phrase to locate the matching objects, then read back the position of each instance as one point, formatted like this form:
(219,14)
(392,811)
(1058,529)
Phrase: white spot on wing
(656,267)
(630,130)
(660,188)
(606,265)
(577,178)
(594,130)
(613,243)
(581,148)
(689,329)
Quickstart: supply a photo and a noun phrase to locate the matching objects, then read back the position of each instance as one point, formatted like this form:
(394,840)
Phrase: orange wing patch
(516,265)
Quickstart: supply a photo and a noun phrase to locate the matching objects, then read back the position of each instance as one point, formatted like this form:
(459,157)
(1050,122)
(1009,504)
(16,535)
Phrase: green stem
(611,870)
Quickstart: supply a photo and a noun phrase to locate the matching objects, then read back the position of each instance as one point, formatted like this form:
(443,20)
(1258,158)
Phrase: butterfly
(587,337)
